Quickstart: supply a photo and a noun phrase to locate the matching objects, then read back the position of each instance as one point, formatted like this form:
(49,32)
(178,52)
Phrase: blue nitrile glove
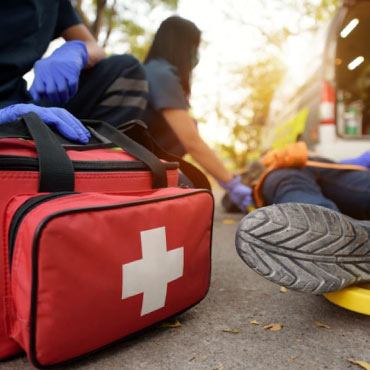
(361,160)
(240,194)
(56,77)
(63,121)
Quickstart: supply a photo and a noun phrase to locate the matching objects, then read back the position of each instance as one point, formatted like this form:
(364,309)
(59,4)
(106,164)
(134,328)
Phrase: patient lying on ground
(310,234)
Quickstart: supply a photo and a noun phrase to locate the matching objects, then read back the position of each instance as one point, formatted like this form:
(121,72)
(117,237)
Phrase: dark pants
(115,90)
(340,190)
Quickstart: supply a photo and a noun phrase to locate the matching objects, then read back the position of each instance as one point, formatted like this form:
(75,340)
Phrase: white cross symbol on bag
(153,272)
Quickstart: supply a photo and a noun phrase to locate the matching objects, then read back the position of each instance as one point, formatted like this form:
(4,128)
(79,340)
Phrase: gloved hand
(240,194)
(361,160)
(56,77)
(63,121)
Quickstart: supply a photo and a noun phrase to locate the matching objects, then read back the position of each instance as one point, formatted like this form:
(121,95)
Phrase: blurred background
(270,71)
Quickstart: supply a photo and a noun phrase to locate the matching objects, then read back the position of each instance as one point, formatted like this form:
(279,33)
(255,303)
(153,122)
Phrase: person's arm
(82,33)
(184,128)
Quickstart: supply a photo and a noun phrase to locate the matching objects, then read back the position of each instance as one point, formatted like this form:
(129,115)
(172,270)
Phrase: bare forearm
(81,32)
(204,155)
(185,129)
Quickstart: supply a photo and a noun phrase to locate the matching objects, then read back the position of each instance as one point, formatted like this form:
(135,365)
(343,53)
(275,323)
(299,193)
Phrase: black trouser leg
(350,190)
(294,185)
(115,91)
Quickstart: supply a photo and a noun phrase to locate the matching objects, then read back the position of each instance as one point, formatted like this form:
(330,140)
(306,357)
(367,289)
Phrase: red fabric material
(27,148)
(80,258)
(14,183)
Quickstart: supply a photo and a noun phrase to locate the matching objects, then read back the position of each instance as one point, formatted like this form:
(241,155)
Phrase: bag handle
(100,131)
(140,134)
(196,176)
(55,168)
(132,147)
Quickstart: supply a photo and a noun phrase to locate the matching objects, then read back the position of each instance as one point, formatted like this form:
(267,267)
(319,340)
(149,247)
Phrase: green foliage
(136,28)
(126,21)
(321,11)
(137,38)
(262,77)
(171,4)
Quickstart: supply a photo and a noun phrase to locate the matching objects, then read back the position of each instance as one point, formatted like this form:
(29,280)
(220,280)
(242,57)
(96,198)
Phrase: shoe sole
(305,247)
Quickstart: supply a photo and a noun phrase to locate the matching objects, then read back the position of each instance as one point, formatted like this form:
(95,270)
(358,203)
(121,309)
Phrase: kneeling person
(77,80)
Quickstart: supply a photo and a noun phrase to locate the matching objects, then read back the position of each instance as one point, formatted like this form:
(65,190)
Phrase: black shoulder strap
(56,169)
(132,147)
(196,176)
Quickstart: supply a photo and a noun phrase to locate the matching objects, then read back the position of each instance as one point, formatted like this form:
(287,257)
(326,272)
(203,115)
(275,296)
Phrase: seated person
(76,80)
(168,65)
(310,237)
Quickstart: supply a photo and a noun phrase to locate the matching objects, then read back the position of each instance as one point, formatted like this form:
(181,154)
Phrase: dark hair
(176,41)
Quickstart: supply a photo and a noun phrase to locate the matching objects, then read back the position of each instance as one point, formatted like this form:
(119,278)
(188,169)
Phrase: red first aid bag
(87,234)
(89,269)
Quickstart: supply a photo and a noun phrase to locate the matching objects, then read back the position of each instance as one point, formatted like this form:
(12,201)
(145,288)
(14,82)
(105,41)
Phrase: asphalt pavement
(230,328)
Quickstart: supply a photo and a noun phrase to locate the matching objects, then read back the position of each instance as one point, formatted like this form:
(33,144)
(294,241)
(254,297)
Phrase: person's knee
(127,94)
(129,65)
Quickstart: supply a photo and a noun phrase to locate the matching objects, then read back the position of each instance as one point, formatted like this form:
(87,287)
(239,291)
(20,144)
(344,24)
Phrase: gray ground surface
(238,296)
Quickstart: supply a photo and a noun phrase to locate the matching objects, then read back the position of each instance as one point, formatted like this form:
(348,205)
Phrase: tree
(306,16)
(124,19)
(260,78)
(258,82)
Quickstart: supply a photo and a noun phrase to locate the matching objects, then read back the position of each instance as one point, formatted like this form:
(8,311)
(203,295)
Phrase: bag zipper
(20,163)
(34,202)
(22,212)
